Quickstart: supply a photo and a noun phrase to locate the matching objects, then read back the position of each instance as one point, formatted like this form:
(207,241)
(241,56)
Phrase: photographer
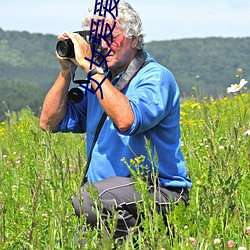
(141,100)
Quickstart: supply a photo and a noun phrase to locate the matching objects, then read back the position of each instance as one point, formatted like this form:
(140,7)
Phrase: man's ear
(134,42)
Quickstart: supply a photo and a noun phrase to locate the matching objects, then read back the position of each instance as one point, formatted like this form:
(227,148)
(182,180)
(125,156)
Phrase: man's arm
(115,104)
(55,103)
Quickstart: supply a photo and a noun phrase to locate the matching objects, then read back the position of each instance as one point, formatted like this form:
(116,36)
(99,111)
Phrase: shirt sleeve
(75,118)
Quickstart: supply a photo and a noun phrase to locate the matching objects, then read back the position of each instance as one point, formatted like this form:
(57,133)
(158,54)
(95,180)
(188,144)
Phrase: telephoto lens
(65,48)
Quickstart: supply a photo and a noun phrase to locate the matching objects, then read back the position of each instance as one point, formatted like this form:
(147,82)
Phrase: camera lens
(65,48)
(75,95)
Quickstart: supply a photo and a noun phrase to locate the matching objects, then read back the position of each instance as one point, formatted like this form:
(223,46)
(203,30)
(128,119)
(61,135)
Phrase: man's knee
(84,205)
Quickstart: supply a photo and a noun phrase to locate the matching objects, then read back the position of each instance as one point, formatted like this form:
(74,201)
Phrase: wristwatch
(97,70)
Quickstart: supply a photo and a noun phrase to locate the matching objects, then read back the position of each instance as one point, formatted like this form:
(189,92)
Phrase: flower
(14,188)
(240,70)
(22,210)
(248,230)
(216,241)
(247,133)
(192,240)
(237,87)
(45,216)
(242,248)
(230,244)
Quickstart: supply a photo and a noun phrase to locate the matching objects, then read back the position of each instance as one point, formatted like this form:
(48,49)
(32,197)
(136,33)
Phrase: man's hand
(82,50)
(66,63)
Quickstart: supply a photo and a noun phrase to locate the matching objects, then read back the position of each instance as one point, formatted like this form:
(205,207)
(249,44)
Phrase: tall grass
(40,172)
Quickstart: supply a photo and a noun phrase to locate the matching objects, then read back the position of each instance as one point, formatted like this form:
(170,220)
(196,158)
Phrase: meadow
(40,172)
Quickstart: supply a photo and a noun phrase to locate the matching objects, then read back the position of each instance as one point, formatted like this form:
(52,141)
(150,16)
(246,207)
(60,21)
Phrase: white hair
(127,19)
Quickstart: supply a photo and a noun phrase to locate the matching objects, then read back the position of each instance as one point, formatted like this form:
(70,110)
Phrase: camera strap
(136,64)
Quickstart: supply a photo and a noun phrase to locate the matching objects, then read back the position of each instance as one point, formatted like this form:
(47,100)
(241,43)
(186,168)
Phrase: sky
(162,19)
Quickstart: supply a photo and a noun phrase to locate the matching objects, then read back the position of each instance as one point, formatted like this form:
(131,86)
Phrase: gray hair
(128,20)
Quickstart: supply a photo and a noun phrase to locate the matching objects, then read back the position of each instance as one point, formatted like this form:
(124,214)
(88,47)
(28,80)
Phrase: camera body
(65,48)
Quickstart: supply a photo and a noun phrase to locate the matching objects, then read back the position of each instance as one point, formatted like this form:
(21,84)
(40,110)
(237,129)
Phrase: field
(40,172)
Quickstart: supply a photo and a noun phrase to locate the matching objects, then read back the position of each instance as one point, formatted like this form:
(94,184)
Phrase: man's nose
(104,44)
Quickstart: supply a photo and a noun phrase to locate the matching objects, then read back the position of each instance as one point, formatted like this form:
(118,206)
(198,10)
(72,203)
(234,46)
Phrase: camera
(65,48)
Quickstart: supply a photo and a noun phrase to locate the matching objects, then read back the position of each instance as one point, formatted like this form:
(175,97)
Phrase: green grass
(40,172)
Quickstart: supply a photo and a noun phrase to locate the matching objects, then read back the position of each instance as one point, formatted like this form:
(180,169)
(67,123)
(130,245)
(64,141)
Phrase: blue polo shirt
(154,97)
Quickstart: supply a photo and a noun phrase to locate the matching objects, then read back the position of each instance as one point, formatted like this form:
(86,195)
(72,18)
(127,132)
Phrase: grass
(40,172)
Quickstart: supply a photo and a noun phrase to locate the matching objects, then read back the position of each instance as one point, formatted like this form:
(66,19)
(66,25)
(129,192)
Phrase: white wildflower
(247,133)
(237,87)
(242,248)
(217,241)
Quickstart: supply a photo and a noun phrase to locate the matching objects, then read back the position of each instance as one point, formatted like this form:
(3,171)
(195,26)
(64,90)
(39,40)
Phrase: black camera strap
(97,132)
(136,64)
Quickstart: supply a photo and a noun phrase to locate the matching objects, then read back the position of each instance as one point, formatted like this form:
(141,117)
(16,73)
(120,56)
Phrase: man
(141,100)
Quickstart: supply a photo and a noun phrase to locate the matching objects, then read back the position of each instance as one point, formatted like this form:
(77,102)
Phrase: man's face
(120,50)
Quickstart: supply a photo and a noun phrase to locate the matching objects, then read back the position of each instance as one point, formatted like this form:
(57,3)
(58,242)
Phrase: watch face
(100,70)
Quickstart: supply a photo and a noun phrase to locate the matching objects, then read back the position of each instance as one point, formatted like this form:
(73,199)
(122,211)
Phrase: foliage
(28,58)
(28,68)
(204,64)
(208,62)
(40,172)
(14,95)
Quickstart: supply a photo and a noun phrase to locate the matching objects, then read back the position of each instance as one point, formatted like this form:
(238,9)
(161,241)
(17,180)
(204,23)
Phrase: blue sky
(162,19)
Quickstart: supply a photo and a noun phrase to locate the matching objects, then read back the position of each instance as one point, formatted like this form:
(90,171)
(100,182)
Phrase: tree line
(202,67)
